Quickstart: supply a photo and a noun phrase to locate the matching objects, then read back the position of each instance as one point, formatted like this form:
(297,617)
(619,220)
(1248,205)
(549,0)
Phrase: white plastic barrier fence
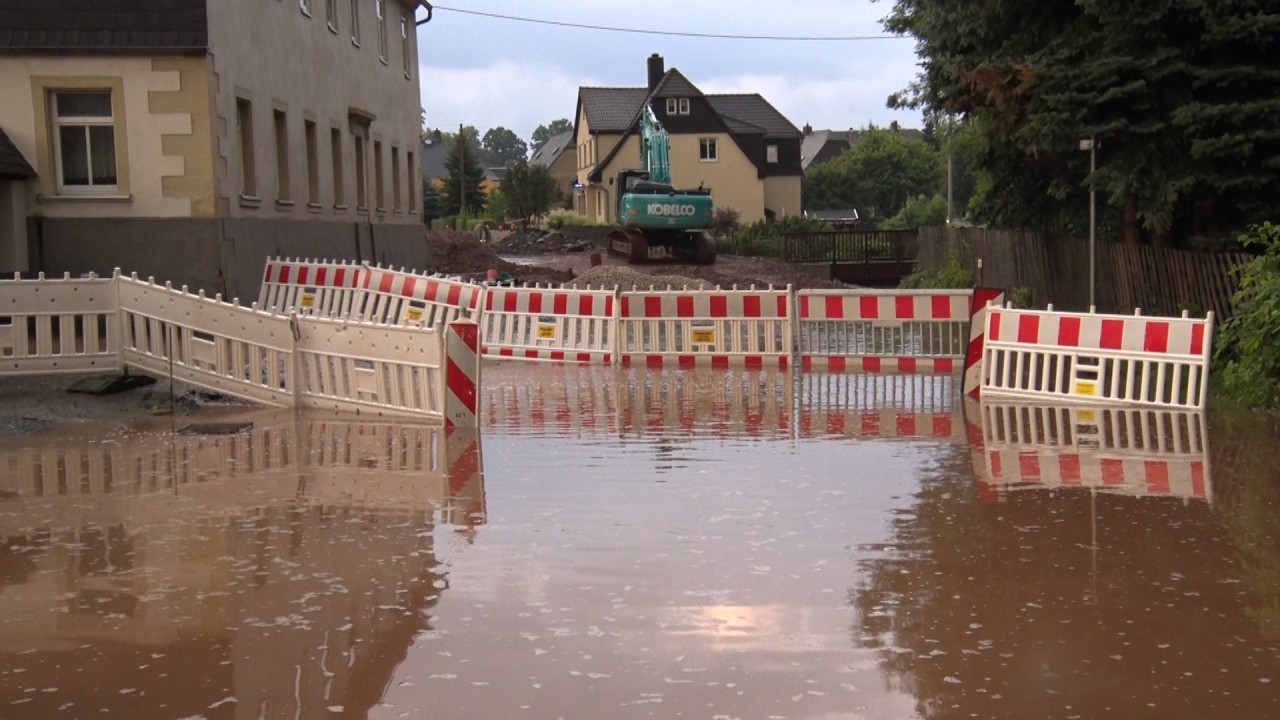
(56,326)
(293,360)
(1122,450)
(314,287)
(378,369)
(1162,362)
(705,327)
(562,324)
(908,331)
(399,297)
(243,352)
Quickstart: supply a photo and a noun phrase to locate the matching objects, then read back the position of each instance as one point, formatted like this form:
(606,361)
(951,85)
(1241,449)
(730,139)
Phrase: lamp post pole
(1092,146)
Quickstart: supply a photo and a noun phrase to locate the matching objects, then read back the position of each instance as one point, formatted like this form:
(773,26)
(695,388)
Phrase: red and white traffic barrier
(883,331)
(312,287)
(462,374)
(559,324)
(400,297)
(983,300)
(715,328)
(1156,361)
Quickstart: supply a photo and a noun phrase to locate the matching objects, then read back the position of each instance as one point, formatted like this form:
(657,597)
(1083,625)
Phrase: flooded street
(644,543)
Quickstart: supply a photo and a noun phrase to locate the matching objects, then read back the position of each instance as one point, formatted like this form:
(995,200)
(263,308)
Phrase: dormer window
(677,106)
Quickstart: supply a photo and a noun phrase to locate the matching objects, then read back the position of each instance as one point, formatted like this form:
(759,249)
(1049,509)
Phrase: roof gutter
(427,19)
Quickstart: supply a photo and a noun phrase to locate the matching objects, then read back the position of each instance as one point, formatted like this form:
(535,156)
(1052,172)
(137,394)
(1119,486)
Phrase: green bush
(1247,350)
(950,276)
(919,211)
(557,219)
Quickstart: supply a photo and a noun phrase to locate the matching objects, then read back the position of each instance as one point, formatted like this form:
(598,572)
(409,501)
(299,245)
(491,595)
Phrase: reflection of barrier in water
(143,479)
(880,406)
(1122,450)
(729,402)
(287,567)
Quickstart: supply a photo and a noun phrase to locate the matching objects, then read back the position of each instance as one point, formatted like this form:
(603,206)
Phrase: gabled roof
(549,151)
(12,163)
(754,110)
(617,110)
(611,109)
(815,140)
(103,25)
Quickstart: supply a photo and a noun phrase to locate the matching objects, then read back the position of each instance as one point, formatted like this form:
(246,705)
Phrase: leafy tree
(876,176)
(544,133)
(1248,346)
(432,202)
(464,175)
(1180,96)
(502,147)
(528,191)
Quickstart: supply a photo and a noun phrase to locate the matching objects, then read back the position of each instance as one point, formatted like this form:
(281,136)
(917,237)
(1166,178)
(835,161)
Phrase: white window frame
(771,153)
(380,14)
(677,106)
(331,15)
(355,22)
(85,121)
(708,150)
(406,48)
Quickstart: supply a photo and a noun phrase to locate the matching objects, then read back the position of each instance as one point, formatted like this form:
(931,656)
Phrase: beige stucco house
(559,157)
(188,139)
(739,145)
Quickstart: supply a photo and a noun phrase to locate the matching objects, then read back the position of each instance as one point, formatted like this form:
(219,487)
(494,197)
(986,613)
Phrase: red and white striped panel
(888,365)
(285,279)
(428,289)
(1185,477)
(598,358)
(462,374)
(548,301)
(711,304)
(1120,333)
(717,361)
(884,305)
(984,300)
(885,423)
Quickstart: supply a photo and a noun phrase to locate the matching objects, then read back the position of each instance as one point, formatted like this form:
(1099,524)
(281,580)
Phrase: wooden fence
(1056,270)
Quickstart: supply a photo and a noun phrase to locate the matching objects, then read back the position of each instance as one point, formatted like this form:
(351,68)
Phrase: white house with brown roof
(188,139)
(739,146)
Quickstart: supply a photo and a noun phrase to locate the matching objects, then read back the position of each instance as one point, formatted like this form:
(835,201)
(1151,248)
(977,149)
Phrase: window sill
(250,201)
(382,211)
(383,60)
(84,198)
(362,210)
(339,208)
(284,204)
(315,207)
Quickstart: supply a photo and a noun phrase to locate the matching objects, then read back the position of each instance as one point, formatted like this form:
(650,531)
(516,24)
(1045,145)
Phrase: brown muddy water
(651,544)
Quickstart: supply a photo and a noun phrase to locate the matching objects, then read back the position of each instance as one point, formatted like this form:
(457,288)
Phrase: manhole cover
(110,384)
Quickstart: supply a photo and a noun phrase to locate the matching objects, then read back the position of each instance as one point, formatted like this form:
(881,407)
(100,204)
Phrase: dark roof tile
(549,151)
(754,110)
(12,163)
(95,25)
(611,109)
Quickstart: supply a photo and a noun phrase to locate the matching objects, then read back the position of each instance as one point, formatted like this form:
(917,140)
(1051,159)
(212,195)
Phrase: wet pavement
(630,542)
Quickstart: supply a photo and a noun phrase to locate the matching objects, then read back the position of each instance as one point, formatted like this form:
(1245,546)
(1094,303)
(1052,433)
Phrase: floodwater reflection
(276,572)
(654,543)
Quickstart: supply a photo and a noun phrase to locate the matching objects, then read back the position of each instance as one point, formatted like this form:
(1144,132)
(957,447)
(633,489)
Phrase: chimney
(656,70)
(808,129)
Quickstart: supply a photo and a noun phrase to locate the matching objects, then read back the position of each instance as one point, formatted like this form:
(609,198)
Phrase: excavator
(654,214)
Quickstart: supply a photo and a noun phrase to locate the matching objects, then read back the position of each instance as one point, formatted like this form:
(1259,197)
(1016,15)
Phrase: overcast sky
(490,72)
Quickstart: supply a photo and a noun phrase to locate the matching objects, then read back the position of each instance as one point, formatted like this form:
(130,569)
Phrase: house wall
(732,178)
(782,195)
(161,152)
(13,227)
(279,59)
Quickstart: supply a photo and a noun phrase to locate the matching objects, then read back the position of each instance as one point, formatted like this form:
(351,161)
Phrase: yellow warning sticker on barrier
(546,332)
(707,336)
(413,314)
(1086,416)
(307,301)
(1086,388)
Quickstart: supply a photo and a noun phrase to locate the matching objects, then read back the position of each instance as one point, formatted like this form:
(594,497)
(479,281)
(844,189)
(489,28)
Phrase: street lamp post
(1092,146)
